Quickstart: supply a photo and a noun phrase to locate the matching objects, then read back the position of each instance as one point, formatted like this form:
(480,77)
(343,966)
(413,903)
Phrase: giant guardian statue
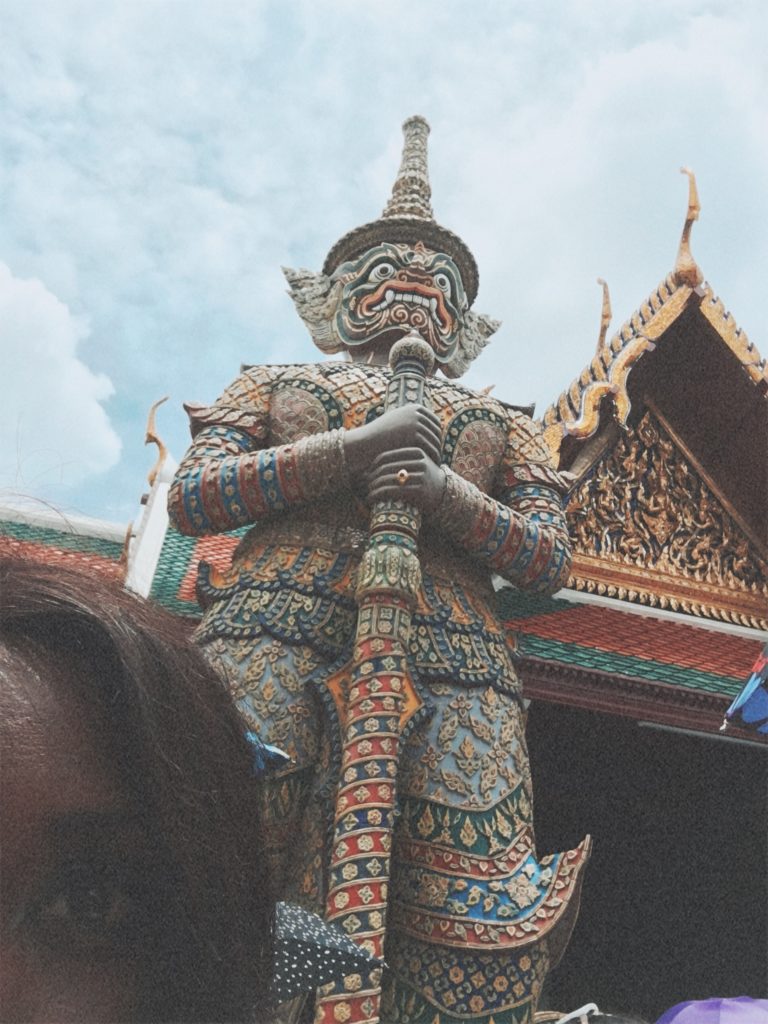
(357,629)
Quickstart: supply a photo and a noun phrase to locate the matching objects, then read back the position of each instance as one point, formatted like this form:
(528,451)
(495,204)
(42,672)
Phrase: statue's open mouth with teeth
(399,292)
(393,289)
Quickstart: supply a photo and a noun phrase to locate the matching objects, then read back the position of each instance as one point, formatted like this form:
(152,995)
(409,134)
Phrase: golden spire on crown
(412,192)
(407,217)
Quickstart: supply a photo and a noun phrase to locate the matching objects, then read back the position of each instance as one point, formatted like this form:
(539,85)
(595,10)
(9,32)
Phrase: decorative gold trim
(553,438)
(735,338)
(649,527)
(594,575)
(577,411)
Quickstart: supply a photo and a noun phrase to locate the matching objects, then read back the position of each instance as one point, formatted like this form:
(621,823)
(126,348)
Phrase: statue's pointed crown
(408,217)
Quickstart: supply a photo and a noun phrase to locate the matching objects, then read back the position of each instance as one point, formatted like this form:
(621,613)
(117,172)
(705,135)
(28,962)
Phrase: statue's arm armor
(229,479)
(523,536)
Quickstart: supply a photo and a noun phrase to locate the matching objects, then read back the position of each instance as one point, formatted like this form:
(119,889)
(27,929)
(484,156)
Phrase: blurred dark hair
(180,751)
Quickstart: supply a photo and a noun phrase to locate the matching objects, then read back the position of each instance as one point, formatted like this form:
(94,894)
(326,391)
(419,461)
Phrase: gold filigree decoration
(646,528)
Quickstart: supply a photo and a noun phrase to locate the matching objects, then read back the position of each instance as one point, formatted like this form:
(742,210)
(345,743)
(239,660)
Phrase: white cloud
(162,160)
(53,426)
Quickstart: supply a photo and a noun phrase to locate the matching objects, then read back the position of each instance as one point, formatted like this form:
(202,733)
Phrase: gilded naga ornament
(357,630)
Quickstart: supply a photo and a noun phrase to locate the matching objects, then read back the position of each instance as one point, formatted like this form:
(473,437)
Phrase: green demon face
(392,290)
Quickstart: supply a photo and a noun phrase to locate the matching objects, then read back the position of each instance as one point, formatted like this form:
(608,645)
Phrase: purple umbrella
(739,1010)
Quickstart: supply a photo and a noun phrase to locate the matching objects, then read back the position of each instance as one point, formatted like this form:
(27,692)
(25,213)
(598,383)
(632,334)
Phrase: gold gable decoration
(647,528)
(576,412)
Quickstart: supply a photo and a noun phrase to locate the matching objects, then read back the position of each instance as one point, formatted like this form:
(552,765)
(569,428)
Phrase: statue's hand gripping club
(409,475)
(405,426)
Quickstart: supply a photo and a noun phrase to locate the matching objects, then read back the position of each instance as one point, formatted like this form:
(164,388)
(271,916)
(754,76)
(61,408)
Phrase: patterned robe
(475,919)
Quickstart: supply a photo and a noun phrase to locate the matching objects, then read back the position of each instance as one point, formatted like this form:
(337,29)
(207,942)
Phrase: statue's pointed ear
(315,298)
(474,336)
(304,285)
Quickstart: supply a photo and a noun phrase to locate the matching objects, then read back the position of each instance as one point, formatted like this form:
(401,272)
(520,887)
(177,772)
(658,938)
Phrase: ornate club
(388,583)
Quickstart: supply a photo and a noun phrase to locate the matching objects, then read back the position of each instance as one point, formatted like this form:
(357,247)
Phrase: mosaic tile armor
(281,625)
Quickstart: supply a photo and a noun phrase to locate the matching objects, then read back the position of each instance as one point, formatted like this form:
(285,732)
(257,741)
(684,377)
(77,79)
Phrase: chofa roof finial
(605,314)
(151,437)
(687,270)
(411,192)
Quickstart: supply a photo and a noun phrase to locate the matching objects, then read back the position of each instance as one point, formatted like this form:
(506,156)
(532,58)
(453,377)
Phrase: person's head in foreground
(131,878)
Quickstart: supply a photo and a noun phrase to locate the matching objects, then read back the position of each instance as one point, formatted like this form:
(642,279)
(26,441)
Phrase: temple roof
(682,301)
(664,435)
(587,654)
(77,542)
(580,409)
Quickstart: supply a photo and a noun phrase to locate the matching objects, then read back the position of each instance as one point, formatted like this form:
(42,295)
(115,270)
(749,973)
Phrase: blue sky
(159,161)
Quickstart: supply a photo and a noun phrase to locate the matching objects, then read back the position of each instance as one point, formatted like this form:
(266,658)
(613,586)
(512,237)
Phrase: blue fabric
(750,708)
(266,758)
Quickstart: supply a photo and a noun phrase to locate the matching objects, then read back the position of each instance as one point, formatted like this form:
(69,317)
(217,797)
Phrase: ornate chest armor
(307,546)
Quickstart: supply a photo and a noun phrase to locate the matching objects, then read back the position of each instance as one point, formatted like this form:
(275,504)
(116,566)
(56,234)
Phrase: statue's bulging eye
(381,272)
(443,282)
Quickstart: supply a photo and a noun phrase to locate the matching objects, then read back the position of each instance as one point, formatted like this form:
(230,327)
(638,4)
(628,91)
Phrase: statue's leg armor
(462,944)
(270,682)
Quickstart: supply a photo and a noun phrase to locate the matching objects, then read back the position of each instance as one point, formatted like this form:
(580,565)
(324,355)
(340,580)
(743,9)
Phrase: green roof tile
(514,604)
(626,665)
(49,537)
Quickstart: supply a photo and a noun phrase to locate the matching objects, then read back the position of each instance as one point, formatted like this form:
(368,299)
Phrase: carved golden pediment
(647,527)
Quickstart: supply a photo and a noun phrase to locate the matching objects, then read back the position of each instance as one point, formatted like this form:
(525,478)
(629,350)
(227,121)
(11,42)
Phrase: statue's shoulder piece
(524,410)
(243,405)
(526,440)
(343,373)
(528,460)
(271,373)
(249,421)
(456,395)
(333,374)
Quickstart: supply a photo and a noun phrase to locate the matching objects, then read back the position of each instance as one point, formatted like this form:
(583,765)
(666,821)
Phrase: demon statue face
(387,292)
(393,289)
